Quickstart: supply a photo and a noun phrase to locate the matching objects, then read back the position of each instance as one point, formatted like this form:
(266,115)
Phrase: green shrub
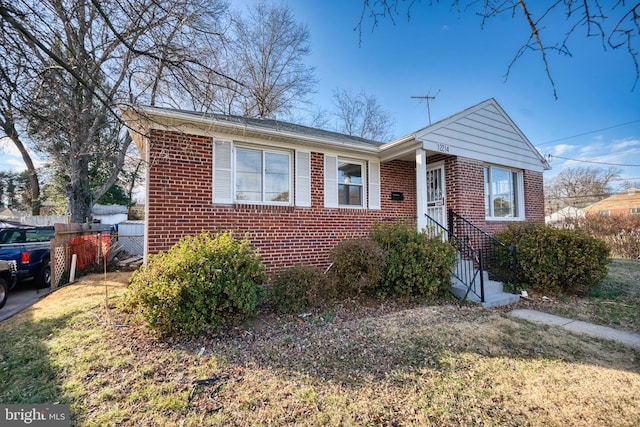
(202,282)
(298,288)
(356,266)
(415,264)
(556,261)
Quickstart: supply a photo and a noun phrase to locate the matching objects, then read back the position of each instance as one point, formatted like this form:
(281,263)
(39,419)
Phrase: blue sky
(439,51)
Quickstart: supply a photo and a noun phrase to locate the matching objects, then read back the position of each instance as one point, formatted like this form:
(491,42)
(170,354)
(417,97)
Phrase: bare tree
(85,58)
(616,23)
(361,115)
(580,186)
(268,54)
(14,74)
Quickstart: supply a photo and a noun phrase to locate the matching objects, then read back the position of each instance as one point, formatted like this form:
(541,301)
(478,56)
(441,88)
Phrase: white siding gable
(483,132)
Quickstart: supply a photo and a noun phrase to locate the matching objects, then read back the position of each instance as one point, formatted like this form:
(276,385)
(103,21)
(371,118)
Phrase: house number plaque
(443,148)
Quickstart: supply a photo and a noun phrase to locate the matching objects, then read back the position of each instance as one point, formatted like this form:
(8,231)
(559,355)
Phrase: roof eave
(149,116)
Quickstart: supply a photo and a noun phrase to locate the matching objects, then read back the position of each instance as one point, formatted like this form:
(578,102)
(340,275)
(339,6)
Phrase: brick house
(297,191)
(621,204)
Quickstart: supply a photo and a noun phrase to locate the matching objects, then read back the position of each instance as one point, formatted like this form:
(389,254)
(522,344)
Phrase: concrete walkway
(605,332)
(20,298)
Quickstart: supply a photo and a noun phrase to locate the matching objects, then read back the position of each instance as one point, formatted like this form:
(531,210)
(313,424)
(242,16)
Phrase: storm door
(436,202)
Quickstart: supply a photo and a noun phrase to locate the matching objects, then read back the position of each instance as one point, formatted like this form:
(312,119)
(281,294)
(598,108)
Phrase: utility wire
(550,156)
(589,132)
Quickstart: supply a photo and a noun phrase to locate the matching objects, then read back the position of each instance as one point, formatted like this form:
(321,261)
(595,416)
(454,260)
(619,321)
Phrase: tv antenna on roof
(428,98)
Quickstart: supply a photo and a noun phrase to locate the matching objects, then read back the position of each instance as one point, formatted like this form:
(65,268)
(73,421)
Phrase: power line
(589,132)
(550,156)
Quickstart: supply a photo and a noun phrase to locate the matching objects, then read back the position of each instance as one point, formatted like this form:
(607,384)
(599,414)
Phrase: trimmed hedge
(202,282)
(556,261)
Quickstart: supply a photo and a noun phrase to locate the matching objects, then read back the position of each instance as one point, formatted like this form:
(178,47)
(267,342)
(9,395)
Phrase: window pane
(248,175)
(350,195)
(350,184)
(276,177)
(501,192)
(349,173)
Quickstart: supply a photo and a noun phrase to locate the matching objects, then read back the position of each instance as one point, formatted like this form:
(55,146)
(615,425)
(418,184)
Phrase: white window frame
(370,182)
(363,185)
(634,211)
(263,150)
(519,189)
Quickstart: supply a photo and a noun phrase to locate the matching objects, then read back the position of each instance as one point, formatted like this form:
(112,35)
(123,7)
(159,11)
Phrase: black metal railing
(468,268)
(499,260)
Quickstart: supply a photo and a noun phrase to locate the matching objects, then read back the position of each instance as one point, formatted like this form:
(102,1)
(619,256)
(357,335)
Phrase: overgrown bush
(202,282)
(415,264)
(556,261)
(298,288)
(620,232)
(356,266)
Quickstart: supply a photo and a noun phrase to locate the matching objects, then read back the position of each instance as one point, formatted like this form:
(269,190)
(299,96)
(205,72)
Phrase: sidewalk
(605,332)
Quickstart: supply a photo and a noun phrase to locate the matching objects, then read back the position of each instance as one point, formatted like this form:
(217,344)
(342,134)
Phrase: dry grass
(615,303)
(358,363)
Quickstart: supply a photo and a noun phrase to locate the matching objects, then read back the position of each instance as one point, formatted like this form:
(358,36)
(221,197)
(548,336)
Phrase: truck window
(12,236)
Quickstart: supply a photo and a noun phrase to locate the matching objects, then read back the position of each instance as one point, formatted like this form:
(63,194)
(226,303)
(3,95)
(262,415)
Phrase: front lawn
(367,363)
(615,303)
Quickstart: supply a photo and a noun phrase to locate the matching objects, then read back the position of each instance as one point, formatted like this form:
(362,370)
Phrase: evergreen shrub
(202,282)
(299,288)
(416,264)
(356,266)
(556,261)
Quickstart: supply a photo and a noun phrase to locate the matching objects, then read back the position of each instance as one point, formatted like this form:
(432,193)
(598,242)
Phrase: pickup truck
(29,247)
(8,278)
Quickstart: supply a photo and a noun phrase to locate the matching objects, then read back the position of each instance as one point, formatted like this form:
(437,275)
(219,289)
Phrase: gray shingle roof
(279,126)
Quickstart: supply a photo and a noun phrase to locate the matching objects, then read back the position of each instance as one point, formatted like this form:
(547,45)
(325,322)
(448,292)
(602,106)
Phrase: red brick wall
(465,192)
(180,203)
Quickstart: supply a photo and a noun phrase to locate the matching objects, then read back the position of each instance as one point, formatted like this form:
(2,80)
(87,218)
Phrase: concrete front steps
(494,295)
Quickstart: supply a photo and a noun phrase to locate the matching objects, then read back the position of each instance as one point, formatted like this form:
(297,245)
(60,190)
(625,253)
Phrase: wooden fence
(90,243)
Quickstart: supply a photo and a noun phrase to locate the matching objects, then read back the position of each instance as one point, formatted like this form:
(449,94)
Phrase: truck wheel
(44,277)
(4,290)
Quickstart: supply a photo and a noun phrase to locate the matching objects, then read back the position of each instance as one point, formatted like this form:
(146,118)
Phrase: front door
(436,202)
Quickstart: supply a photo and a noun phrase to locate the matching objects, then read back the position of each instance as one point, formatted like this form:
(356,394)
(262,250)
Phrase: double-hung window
(350,183)
(502,193)
(262,176)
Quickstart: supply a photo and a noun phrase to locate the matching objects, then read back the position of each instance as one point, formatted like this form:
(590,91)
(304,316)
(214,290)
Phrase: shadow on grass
(27,374)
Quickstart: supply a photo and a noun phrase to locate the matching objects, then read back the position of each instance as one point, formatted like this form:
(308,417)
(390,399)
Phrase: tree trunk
(78,193)
(10,130)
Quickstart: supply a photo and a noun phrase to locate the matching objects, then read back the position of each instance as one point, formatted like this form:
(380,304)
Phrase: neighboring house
(621,204)
(109,214)
(566,215)
(297,191)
